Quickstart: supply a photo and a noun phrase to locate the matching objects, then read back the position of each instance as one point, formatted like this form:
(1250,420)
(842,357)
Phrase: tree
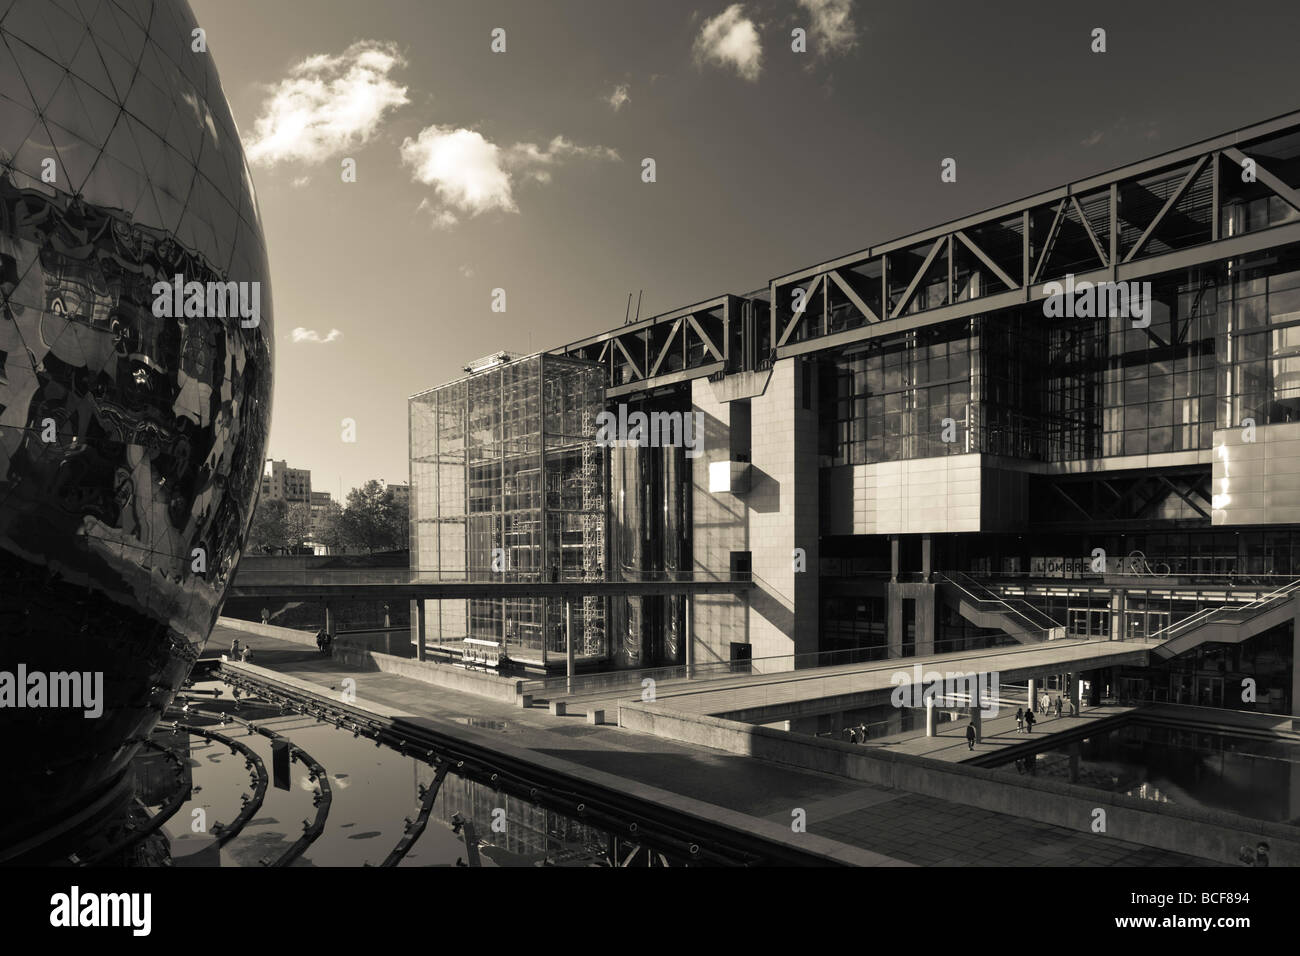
(298,525)
(329,531)
(270,529)
(375,519)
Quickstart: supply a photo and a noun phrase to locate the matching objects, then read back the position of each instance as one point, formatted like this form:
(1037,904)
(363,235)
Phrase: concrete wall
(1257,482)
(1211,835)
(908,497)
(441,675)
(777,514)
(307,638)
(782,510)
(718,527)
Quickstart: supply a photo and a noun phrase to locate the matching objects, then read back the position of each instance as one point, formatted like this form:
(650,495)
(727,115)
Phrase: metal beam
(708,342)
(628,355)
(1262,175)
(1087,227)
(1049,242)
(803,310)
(1176,195)
(983,257)
(858,302)
(916,279)
(663,353)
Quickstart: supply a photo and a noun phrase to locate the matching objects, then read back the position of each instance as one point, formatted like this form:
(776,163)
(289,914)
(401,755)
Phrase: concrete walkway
(999,733)
(906,826)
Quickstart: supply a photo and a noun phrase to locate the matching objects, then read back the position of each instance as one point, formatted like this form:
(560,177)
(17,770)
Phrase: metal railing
(795,666)
(1033,619)
(294,577)
(1233,614)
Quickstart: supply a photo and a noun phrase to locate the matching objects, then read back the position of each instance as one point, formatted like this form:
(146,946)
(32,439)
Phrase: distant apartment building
(401,492)
(292,485)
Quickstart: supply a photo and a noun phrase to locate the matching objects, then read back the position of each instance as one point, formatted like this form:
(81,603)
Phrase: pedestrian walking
(1020,720)
(234,649)
(862,733)
(1043,702)
(1029,722)
(1058,706)
(970,736)
(1074,711)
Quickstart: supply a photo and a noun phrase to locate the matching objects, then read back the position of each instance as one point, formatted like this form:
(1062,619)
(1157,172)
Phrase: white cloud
(311,335)
(472,175)
(618,99)
(832,30)
(327,104)
(466,272)
(299,181)
(731,39)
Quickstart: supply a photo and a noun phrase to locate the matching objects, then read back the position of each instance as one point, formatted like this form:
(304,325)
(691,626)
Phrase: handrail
(1250,610)
(1036,619)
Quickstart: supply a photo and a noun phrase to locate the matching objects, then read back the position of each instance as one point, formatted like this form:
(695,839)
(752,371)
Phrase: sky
(522,170)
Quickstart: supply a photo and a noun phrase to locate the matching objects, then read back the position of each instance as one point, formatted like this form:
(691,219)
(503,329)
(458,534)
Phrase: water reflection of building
(530,829)
(155,770)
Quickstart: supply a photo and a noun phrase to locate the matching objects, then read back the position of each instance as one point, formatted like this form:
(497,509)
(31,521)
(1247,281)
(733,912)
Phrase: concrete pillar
(927,623)
(688,633)
(1075,690)
(388,619)
(1033,693)
(419,631)
(976,718)
(329,619)
(894,621)
(568,642)
(894,557)
(927,555)
(929,717)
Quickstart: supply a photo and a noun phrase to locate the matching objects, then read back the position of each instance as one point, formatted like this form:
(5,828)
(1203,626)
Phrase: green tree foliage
(375,519)
(270,530)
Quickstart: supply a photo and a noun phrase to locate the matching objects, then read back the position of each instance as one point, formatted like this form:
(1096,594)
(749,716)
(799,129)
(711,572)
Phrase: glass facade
(1222,346)
(508,484)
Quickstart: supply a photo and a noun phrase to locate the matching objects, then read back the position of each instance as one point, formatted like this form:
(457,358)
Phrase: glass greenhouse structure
(508,484)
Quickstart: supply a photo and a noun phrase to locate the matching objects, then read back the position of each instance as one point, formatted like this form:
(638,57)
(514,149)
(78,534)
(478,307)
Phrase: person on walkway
(1029,722)
(234,649)
(1044,703)
(1058,706)
(1074,711)
(1020,720)
(862,733)
(266,616)
(853,735)
(970,736)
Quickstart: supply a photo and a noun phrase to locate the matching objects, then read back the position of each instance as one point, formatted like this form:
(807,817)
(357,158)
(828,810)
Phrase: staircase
(1229,624)
(984,607)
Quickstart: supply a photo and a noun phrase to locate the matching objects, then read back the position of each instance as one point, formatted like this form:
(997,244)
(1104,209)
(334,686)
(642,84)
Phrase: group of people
(240,652)
(856,735)
(1025,720)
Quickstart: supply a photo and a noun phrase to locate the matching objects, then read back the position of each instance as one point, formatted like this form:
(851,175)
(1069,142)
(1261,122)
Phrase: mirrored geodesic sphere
(133,423)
